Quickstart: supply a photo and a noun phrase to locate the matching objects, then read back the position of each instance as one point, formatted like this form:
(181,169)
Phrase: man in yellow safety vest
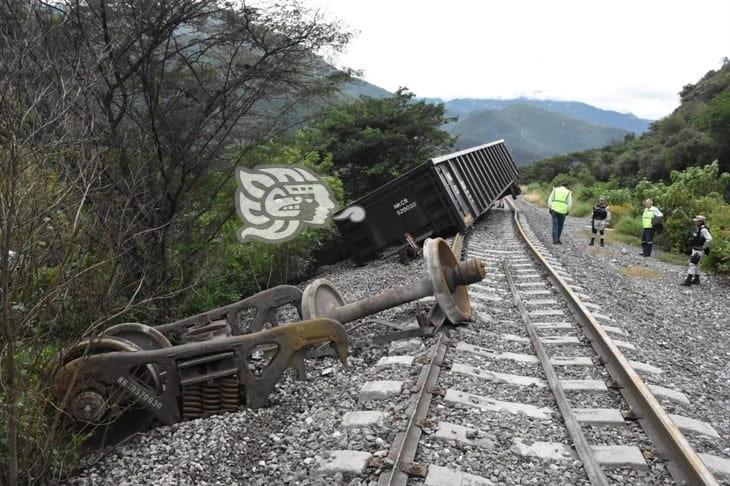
(648,223)
(560,201)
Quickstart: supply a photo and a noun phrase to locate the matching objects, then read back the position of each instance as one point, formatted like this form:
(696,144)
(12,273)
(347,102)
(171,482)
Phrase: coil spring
(230,397)
(218,396)
(192,401)
(211,399)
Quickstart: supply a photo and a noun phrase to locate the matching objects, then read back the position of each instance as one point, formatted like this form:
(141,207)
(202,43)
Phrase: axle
(465,273)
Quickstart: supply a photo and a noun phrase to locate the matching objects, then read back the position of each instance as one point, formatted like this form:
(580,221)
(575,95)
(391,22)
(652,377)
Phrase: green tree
(180,83)
(716,120)
(374,140)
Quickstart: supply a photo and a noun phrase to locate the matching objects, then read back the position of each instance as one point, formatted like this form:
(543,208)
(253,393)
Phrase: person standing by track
(648,222)
(700,243)
(560,201)
(600,218)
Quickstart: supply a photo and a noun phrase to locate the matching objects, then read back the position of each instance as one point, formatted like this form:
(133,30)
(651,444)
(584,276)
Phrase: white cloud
(623,55)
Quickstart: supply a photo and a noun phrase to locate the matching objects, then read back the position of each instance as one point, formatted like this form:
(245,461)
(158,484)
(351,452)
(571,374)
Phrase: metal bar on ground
(403,451)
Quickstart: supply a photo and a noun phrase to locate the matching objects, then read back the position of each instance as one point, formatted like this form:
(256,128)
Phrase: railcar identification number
(403,206)
(139,392)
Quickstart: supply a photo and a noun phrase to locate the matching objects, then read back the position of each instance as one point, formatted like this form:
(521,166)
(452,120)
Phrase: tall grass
(629,225)
(581,209)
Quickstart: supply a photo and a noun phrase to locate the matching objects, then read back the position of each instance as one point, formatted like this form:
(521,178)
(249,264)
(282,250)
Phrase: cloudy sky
(629,56)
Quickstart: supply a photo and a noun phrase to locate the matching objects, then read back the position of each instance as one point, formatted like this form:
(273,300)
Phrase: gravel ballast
(682,331)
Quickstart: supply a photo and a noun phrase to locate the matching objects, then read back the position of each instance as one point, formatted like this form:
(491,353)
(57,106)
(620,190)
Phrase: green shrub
(618,211)
(629,225)
(581,209)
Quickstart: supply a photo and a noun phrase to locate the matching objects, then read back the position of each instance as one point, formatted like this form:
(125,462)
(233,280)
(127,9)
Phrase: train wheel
(107,413)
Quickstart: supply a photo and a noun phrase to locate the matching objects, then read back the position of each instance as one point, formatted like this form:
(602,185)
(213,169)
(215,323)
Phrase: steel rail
(593,469)
(684,464)
(403,451)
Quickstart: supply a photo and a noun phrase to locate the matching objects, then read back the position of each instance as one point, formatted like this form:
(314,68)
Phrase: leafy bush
(581,209)
(619,211)
(629,225)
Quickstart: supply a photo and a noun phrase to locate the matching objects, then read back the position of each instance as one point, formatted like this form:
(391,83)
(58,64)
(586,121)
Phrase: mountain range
(573,109)
(534,129)
(532,133)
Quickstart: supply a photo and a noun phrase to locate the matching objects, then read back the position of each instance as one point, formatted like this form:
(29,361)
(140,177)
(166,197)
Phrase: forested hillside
(532,133)
(695,134)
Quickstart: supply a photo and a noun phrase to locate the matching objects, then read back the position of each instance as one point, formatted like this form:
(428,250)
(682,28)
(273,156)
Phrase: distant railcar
(440,197)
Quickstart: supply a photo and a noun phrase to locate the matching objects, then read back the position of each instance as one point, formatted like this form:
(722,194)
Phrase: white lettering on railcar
(139,392)
(405,209)
(403,206)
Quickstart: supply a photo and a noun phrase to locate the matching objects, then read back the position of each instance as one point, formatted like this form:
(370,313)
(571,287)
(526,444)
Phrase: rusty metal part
(457,245)
(447,280)
(192,401)
(403,450)
(263,306)
(411,250)
(186,381)
(88,406)
(146,337)
(684,464)
(206,332)
(109,413)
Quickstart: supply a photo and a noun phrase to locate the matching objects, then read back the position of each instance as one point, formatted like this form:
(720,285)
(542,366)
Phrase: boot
(592,241)
(696,280)
(602,245)
(688,281)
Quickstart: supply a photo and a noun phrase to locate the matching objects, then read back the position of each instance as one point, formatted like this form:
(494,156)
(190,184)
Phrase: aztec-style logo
(277,201)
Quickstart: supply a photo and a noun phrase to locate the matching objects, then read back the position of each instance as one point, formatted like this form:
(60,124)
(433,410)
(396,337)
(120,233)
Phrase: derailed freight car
(440,197)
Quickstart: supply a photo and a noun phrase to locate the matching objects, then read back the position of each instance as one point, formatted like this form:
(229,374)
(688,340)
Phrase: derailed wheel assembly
(447,280)
(132,376)
(112,387)
(106,411)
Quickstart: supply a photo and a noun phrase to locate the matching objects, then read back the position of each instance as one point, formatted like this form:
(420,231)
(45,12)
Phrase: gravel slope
(684,331)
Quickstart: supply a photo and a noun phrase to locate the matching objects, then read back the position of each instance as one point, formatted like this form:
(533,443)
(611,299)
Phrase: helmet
(699,217)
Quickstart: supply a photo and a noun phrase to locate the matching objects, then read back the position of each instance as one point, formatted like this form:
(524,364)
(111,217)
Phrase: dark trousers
(647,241)
(558,220)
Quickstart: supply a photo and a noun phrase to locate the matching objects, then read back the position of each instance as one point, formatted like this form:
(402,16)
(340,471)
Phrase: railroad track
(535,391)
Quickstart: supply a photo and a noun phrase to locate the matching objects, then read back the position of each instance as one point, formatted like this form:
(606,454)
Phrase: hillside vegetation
(682,162)
(695,134)
(531,132)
